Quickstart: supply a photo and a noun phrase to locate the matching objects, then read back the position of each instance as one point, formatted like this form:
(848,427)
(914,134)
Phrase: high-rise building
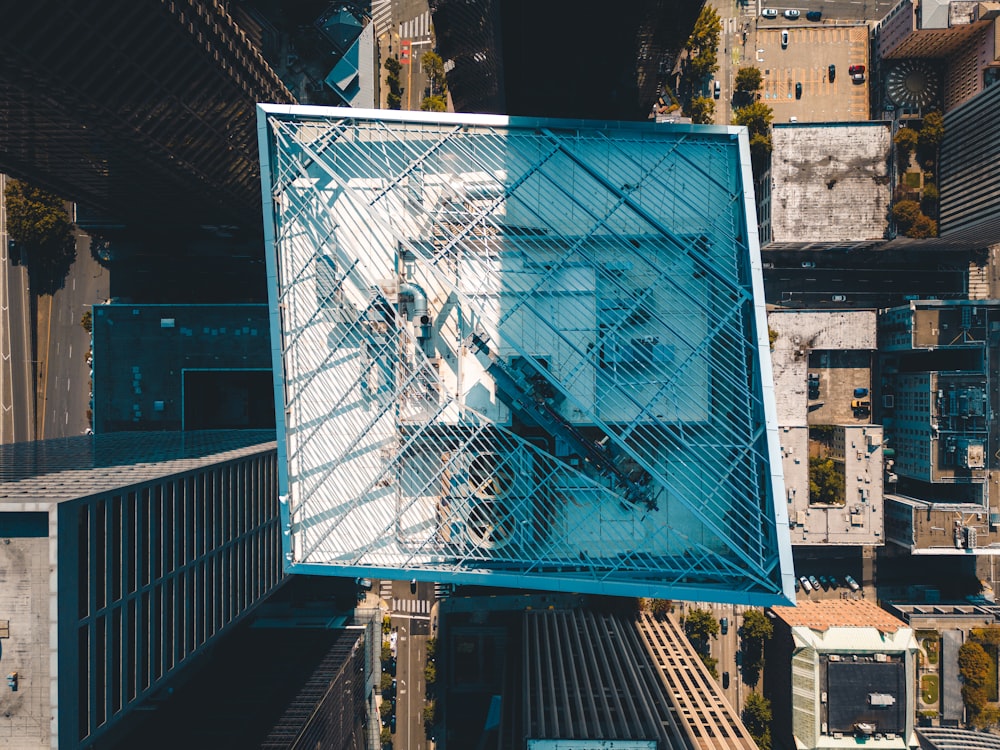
(139,108)
(124,557)
(522,352)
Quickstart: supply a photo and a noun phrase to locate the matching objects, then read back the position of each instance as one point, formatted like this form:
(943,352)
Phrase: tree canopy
(748,79)
(701,110)
(434,103)
(757,717)
(756,626)
(931,131)
(36,219)
(973,663)
(706,31)
(433,67)
(756,116)
(700,625)
(826,482)
(906,142)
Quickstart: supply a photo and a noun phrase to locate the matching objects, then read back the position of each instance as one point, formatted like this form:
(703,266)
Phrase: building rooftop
(823,615)
(830,180)
(507,346)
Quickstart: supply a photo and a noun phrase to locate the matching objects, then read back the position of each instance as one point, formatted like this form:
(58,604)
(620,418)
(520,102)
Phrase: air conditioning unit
(491,496)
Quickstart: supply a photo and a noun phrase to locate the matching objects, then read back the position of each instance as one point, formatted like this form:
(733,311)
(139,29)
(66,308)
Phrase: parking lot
(811,49)
(839,374)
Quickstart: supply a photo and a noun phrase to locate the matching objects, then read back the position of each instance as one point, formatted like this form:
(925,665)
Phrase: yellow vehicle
(861,404)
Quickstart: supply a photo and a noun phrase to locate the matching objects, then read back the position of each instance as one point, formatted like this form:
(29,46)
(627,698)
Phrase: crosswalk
(382,16)
(413,606)
(416,29)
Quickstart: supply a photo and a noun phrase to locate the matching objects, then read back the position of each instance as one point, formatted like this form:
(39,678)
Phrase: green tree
(756,626)
(757,719)
(922,228)
(660,607)
(701,110)
(973,664)
(432,648)
(700,625)
(430,714)
(707,29)
(433,67)
(975,699)
(756,117)
(385,683)
(931,131)
(904,213)
(434,104)
(701,67)
(394,100)
(826,482)
(987,635)
(386,652)
(385,737)
(748,80)
(711,663)
(36,219)
(386,625)
(906,143)
(430,673)
(988,717)
(929,199)
(87,321)
(393,66)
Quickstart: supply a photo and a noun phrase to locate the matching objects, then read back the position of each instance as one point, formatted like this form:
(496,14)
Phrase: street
(410,618)
(16,403)
(63,373)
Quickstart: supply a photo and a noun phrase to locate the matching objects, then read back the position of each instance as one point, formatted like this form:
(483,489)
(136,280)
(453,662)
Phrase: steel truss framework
(522,352)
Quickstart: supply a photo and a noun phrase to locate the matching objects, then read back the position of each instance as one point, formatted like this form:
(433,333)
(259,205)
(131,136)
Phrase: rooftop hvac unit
(971,537)
(881,700)
(492,494)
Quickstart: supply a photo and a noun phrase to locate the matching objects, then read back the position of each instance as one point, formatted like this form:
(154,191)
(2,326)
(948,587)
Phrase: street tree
(973,664)
(706,31)
(434,103)
(701,110)
(757,718)
(36,219)
(756,117)
(931,131)
(700,625)
(433,67)
(922,228)
(748,80)
(756,626)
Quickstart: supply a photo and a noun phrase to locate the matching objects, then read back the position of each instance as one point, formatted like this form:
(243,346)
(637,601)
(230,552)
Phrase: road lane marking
(45,386)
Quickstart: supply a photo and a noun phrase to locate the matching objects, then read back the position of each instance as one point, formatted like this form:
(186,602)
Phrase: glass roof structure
(522,352)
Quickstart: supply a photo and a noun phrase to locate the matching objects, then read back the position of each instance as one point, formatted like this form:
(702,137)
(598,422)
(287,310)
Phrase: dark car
(392,666)
(798,90)
(724,625)
(832,71)
(725,680)
(392,723)
(814,15)
(856,69)
(860,392)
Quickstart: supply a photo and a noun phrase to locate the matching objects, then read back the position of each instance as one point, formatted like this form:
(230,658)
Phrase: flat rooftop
(173,367)
(830,181)
(824,614)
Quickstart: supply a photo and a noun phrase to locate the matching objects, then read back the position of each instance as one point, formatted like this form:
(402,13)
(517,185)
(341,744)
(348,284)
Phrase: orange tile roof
(839,613)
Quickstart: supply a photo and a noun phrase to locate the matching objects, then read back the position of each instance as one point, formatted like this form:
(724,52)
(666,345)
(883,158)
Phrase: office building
(526,353)
(840,672)
(127,555)
(140,109)
(940,363)
(181,367)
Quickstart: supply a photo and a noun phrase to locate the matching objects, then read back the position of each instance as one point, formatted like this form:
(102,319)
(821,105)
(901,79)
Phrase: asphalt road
(833,10)
(16,402)
(64,376)
(862,287)
(411,656)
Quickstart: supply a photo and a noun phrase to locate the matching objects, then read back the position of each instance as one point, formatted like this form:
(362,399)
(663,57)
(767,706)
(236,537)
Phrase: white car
(769,13)
(792,14)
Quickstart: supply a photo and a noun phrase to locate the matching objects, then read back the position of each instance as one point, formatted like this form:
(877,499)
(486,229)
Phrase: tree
(748,80)
(706,31)
(975,699)
(757,719)
(434,104)
(711,663)
(826,482)
(756,626)
(660,607)
(906,143)
(432,648)
(36,219)
(922,228)
(385,683)
(433,67)
(929,199)
(931,132)
(756,117)
(393,66)
(699,626)
(989,716)
(700,67)
(701,110)
(87,321)
(386,652)
(904,213)
(430,714)
(987,635)
(430,673)
(973,664)
(385,737)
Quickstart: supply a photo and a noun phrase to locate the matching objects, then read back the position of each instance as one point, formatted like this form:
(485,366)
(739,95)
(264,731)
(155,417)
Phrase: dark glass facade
(137,108)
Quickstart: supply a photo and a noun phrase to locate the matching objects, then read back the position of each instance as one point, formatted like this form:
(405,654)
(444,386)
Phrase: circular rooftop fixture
(490,521)
(914,84)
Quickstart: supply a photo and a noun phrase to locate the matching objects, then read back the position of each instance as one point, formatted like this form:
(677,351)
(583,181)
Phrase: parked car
(858,403)
(798,90)
(814,582)
(858,78)
(839,298)
(860,392)
(725,680)
(834,583)
(808,264)
(856,69)
(739,658)
(851,583)
(791,15)
(769,13)
(718,90)
(724,625)
(784,39)
(823,582)
(806,586)
(832,72)
(814,15)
